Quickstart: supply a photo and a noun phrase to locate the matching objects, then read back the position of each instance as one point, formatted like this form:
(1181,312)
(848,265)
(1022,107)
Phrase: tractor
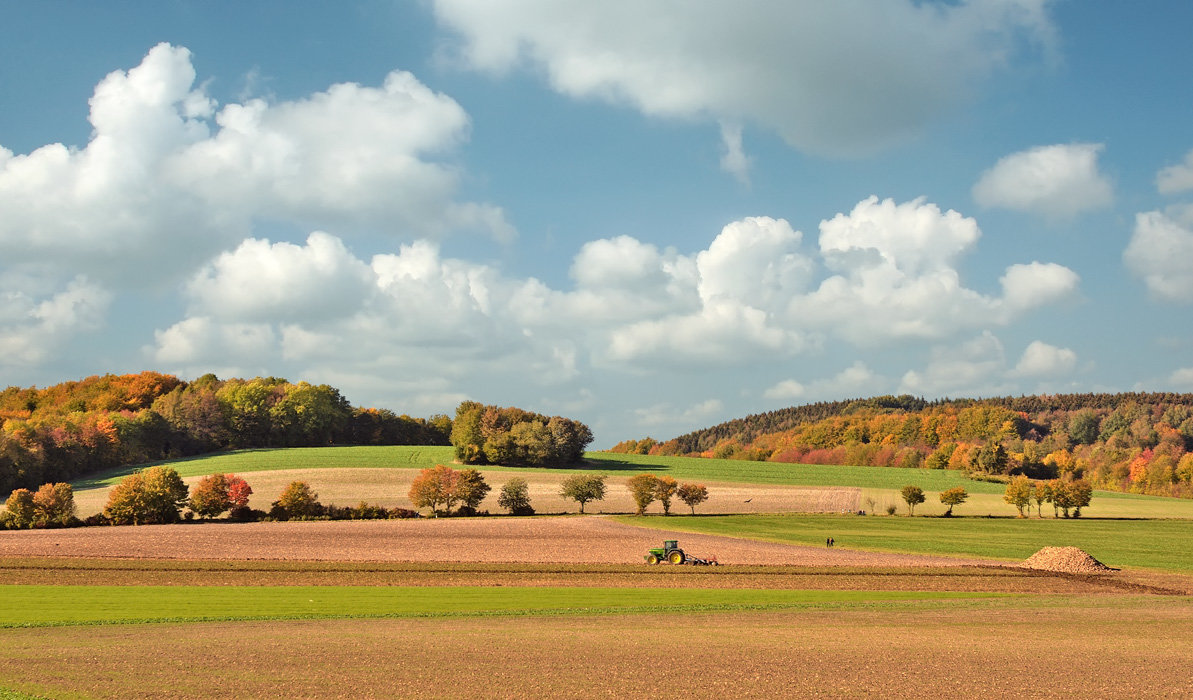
(671,553)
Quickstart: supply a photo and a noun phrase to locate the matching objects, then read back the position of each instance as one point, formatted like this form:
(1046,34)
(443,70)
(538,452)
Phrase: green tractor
(672,554)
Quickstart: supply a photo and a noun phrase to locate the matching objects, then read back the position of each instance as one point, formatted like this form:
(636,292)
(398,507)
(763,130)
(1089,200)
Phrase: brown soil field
(388,487)
(1107,649)
(572,539)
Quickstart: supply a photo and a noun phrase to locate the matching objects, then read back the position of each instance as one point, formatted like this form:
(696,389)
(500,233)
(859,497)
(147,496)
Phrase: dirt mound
(1066,559)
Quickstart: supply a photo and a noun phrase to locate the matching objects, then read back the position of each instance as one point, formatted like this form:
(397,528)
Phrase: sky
(648,216)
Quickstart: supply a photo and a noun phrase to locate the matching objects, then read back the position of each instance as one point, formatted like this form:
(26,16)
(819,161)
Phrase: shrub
(20,511)
(153,495)
(299,501)
(403,513)
(515,497)
(891,508)
(209,497)
(244,514)
(583,488)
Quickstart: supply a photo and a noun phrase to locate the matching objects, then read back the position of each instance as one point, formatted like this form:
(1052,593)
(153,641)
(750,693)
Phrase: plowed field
(580,539)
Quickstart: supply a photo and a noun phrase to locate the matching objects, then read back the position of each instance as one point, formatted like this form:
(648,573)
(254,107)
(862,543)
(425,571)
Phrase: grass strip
(45,606)
(1153,544)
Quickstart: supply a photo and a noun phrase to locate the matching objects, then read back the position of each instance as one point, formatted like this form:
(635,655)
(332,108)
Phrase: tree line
(71,429)
(1134,442)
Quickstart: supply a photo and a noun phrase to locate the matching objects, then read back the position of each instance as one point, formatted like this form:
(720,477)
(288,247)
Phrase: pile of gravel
(1065,559)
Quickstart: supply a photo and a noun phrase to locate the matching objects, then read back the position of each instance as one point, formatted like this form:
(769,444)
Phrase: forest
(71,429)
(1131,442)
(511,436)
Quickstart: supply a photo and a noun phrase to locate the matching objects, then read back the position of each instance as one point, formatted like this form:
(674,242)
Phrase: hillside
(75,428)
(1138,442)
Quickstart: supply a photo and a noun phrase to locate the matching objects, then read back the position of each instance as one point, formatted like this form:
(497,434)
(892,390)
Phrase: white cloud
(169,178)
(665,414)
(259,281)
(1159,252)
(1176,178)
(1047,361)
(1057,181)
(896,277)
(974,368)
(33,331)
(734,160)
(835,77)
(1182,378)
(855,380)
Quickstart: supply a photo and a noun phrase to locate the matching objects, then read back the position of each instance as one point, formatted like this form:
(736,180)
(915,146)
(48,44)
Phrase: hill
(1137,442)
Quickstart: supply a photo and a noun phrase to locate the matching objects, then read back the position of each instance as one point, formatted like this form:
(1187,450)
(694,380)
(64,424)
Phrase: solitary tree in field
(1019,493)
(953,497)
(515,497)
(912,496)
(644,489)
(665,489)
(583,488)
(692,494)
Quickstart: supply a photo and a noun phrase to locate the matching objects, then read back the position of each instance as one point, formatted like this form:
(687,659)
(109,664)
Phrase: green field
(43,606)
(1155,544)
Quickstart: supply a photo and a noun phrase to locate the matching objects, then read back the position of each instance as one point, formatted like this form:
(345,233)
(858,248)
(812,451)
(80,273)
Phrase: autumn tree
(953,497)
(471,489)
(1019,493)
(435,489)
(692,494)
(1042,494)
(665,489)
(19,511)
(912,496)
(54,504)
(153,495)
(238,491)
(299,501)
(644,489)
(515,497)
(209,497)
(583,488)
(1079,494)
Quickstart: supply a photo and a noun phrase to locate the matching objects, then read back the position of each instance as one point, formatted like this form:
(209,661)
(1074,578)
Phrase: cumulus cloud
(974,368)
(1057,181)
(855,380)
(832,77)
(35,330)
(1046,361)
(749,298)
(1159,251)
(1176,178)
(169,177)
(896,276)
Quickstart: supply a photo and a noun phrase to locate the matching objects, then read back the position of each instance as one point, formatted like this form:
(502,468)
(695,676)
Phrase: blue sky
(651,217)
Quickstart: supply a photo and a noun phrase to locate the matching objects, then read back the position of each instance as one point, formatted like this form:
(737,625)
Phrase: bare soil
(1099,650)
(578,539)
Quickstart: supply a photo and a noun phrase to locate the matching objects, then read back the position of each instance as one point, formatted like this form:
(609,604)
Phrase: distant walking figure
(831,542)
(828,542)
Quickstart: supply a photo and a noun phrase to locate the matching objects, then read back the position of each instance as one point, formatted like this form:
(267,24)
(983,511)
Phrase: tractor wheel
(675,557)
(652,559)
